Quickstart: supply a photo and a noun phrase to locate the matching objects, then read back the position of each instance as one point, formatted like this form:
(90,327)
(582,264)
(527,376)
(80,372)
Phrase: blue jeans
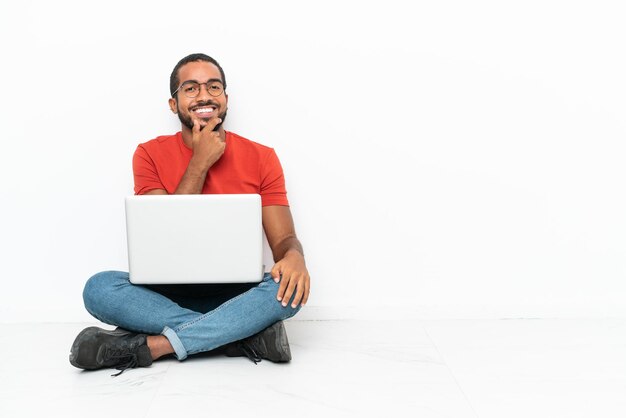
(194,318)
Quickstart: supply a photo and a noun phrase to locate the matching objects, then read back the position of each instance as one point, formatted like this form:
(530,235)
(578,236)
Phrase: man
(239,319)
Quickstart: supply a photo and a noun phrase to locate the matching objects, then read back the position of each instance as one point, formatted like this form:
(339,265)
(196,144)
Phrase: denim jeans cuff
(179,349)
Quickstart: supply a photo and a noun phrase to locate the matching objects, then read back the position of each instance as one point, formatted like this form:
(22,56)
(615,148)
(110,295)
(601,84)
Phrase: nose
(203,94)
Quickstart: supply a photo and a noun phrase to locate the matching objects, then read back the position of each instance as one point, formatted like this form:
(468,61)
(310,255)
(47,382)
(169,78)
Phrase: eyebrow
(196,81)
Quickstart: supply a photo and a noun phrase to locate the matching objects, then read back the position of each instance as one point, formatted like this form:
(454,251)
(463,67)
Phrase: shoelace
(132,363)
(127,359)
(250,352)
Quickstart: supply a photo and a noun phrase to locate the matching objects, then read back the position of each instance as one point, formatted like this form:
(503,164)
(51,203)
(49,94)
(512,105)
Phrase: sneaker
(97,348)
(270,344)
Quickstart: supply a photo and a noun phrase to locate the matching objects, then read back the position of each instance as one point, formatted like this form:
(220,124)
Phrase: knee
(287,312)
(99,287)
(282,312)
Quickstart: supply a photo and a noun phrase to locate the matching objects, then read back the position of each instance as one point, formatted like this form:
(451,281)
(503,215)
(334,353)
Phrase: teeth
(204,110)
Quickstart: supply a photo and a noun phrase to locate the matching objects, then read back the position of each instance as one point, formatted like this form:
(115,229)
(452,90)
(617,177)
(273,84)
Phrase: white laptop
(215,238)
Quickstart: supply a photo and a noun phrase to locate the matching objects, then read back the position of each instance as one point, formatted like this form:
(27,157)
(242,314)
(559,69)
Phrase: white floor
(472,368)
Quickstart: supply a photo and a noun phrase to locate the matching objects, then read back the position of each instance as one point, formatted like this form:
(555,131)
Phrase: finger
(212,123)
(299,292)
(275,272)
(289,292)
(307,289)
(284,281)
(196,126)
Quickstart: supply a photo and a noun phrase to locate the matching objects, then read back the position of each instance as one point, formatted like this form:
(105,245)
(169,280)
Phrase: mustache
(207,103)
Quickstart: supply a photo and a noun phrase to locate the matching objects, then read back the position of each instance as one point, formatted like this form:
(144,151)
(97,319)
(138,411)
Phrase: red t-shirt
(245,167)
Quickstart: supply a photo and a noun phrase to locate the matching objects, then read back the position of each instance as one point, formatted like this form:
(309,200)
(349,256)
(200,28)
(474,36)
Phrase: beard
(186,120)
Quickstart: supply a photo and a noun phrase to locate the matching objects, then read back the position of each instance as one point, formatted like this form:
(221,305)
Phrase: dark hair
(192,58)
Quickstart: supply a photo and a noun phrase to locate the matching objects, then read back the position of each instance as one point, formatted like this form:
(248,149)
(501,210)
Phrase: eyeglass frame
(205,84)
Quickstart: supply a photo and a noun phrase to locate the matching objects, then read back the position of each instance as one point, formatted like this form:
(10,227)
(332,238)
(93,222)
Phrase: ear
(172,103)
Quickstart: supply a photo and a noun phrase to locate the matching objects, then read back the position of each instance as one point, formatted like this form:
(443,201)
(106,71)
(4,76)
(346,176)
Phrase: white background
(448,159)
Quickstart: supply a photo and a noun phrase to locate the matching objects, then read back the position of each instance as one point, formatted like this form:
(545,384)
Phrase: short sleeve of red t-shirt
(245,167)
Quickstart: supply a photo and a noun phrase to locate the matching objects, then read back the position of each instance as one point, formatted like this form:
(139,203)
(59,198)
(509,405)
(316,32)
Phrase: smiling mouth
(204,111)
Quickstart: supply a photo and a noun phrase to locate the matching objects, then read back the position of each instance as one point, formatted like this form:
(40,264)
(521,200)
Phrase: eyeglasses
(191,89)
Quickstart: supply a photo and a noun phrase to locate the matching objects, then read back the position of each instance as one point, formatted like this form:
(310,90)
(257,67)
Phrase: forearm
(289,245)
(193,179)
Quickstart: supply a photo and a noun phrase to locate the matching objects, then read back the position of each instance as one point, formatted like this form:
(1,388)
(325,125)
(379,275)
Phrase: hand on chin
(202,122)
